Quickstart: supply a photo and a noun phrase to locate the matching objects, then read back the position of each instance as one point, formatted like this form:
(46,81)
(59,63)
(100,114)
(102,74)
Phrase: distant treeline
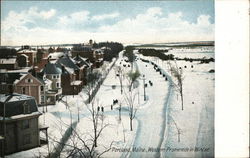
(203,60)
(129,53)
(114,50)
(156,53)
(186,45)
(161,55)
(7,52)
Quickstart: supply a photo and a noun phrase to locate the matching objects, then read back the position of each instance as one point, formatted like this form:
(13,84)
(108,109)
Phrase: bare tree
(177,128)
(130,100)
(178,74)
(132,77)
(120,74)
(96,116)
(92,79)
(84,144)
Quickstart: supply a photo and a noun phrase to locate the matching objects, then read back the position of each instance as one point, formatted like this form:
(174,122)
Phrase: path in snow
(152,116)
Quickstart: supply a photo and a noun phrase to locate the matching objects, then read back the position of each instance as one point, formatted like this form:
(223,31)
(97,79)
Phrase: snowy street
(152,115)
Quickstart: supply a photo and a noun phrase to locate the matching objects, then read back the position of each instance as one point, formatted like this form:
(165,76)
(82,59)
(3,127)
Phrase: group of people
(100,108)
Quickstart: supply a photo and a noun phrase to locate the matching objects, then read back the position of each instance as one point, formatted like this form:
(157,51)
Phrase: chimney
(63,69)
(11,89)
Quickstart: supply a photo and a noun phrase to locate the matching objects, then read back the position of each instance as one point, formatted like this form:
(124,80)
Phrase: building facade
(20,121)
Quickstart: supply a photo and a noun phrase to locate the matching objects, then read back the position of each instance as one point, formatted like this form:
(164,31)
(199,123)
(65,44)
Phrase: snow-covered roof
(22,115)
(70,70)
(26,51)
(23,70)
(17,80)
(24,55)
(15,105)
(76,83)
(56,55)
(67,62)
(103,48)
(8,61)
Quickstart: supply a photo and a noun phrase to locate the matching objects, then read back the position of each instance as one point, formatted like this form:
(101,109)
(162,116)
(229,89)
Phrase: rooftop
(8,61)
(14,107)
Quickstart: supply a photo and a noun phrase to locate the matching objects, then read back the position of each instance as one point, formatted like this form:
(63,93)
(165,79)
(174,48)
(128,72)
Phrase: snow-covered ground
(158,118)
(196,121)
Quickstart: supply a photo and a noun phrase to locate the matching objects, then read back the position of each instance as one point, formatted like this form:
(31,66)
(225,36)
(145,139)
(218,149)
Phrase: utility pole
(144,87)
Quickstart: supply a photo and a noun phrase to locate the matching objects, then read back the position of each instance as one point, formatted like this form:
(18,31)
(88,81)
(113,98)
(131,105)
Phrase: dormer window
(26,108)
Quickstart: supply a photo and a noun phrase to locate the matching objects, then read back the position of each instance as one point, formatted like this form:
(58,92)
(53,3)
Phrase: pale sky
(62,22)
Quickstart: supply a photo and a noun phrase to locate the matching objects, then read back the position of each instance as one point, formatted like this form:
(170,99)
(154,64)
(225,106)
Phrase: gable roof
(31,76)
(67,62)
(81,61)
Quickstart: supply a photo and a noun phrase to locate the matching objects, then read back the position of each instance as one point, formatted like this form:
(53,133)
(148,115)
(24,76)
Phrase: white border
(232,78)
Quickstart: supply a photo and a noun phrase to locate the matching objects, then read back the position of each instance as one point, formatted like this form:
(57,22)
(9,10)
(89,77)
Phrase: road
(151,117)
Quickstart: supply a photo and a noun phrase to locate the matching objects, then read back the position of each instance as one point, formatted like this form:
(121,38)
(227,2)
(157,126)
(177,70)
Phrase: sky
(62,22)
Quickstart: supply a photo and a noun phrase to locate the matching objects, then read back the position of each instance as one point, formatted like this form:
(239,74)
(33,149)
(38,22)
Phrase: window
(54,76)
(41,88)
(25,124)
(23,90)
(29,80)
(26,139)
(57,85)
(26,108)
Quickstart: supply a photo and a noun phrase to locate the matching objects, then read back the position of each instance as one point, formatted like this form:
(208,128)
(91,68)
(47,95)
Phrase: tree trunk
(121,88)
(181,99)
(131,126)
(95,139)
(89,97)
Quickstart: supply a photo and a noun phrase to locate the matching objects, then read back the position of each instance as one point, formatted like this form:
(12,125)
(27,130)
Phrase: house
(19,115)
(99,55)
(85,66)
(22,60)
(83,51)
(42,59)
(31,54)
(70,86)
(69,63)
(8,63)
(23,83)
(52,72)
(29,85)
(72,76)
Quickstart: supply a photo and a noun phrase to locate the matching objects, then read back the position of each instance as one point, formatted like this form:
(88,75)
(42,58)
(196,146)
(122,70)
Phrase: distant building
(21,122)
(56,55)
(22,60)
(85,67)
(52,71)
(8,63)
(99,56)
(95,56)
(32,55)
